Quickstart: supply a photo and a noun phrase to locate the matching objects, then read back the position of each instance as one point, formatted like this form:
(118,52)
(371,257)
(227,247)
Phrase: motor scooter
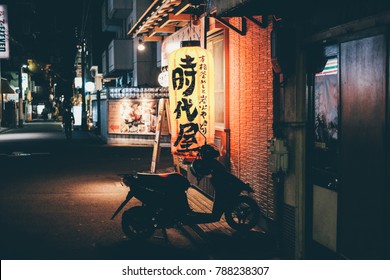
(165,204)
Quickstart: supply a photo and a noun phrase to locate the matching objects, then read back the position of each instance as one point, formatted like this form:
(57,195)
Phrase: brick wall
(251,109)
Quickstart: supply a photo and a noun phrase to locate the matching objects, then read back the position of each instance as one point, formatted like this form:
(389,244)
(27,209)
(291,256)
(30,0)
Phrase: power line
(86,7)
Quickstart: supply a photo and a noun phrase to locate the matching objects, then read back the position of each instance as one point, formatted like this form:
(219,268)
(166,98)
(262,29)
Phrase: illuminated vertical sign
(4,36)
(191,97)
(24,83)
(77,113)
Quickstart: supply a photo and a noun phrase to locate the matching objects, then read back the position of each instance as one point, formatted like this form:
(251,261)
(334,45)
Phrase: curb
(4,129)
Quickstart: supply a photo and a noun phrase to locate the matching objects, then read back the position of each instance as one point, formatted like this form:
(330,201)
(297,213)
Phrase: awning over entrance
(162,18)
(5,87)
(165,17)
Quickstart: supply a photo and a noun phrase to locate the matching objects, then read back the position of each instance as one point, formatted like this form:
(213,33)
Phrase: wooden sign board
(163,127)
(165,121)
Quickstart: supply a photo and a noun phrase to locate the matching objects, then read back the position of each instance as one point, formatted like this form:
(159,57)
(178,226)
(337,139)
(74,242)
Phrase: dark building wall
(353,39)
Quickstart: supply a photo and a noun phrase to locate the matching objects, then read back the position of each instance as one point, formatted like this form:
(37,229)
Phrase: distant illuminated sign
(89,86)
(40,108)
(132,116)
(4,34)
(77,113)
(78,82)
(163,79)
(24,83)
(331,68)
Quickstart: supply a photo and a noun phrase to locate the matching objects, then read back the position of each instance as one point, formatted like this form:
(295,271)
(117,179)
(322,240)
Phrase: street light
(141,45)
(21,95)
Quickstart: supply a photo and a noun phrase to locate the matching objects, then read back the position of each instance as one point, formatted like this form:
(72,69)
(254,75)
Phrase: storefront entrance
(349,196)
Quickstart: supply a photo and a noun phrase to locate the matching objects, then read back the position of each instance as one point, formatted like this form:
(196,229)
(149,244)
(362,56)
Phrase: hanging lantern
(191,96)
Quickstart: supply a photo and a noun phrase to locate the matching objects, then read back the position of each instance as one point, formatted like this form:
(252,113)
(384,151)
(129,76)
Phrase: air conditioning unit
(120,55)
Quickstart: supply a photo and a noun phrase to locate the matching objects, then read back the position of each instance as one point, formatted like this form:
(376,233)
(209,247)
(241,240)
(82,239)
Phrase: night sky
(47,30)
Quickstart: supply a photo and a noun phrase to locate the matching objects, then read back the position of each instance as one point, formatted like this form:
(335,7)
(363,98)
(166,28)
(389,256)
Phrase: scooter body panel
(161,191)
(165,196)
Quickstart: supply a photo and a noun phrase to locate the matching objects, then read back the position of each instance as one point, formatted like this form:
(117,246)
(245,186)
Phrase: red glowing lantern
(191,96)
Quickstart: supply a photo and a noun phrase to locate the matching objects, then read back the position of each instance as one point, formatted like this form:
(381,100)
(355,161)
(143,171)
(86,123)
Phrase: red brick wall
(251,109)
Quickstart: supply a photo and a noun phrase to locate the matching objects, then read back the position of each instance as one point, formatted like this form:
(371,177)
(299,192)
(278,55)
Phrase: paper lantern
(191,98)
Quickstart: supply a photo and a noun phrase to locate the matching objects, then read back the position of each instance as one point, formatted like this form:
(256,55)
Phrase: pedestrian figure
(68,122)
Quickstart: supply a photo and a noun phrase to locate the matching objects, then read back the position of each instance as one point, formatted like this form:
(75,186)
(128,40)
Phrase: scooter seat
(168,181)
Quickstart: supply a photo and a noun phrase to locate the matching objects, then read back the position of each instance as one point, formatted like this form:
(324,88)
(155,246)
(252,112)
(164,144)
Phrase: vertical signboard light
(191,98)
(4,41)
(4,50)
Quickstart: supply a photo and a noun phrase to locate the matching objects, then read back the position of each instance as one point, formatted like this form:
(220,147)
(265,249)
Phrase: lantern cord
(190,29)
(192,32)
(193,28)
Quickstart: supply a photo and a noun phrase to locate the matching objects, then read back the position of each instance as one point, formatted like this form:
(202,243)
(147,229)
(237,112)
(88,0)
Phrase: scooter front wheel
(244,214)
(137,223)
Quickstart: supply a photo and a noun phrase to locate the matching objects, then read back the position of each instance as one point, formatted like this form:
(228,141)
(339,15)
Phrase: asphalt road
(57,198)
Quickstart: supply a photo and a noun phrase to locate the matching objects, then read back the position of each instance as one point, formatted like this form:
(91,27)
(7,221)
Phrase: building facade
(301,112)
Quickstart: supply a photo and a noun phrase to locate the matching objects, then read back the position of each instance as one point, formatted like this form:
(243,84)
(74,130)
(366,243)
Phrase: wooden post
(157,139)
(175,157)
(163,127)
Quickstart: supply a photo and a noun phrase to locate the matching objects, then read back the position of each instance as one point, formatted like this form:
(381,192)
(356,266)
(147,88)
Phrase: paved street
(57,198)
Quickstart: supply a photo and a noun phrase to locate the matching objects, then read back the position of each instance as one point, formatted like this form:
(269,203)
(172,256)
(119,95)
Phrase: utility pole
(83,105)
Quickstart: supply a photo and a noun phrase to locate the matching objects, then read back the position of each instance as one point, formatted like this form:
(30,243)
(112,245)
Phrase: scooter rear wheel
(244,214)
(137,223)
